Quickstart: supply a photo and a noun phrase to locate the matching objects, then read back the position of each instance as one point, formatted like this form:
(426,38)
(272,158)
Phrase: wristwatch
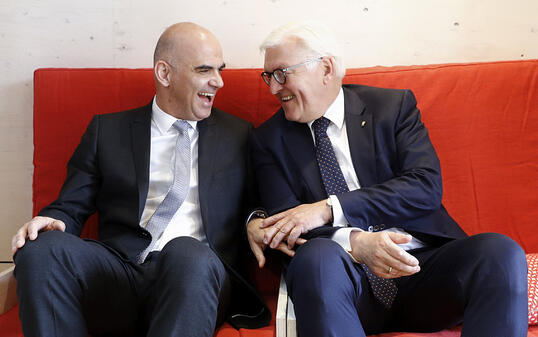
(257,214)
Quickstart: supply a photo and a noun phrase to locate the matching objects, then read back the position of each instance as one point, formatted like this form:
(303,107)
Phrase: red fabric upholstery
(482,118)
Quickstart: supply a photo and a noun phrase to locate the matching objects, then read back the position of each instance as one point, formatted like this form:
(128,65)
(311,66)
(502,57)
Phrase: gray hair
(315,37)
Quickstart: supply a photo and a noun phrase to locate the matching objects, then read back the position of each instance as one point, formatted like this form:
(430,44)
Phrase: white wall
(115,33)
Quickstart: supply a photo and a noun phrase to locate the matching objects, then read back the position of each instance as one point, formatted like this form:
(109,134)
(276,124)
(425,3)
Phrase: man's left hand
(290,224)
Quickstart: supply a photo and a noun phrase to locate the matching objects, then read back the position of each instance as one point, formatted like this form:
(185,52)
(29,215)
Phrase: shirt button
(370,228)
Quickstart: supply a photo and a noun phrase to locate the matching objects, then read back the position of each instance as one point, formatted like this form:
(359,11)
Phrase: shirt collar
(163,120)
(335,112)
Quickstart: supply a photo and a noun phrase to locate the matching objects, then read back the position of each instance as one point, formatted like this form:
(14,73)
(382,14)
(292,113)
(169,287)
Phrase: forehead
(283,55)
(202,52)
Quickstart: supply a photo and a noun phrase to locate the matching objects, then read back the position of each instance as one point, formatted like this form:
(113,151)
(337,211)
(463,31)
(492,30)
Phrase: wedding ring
(389,270)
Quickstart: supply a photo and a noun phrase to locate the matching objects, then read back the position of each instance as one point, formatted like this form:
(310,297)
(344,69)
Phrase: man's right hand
(255,236)
(31,229)
(381,253)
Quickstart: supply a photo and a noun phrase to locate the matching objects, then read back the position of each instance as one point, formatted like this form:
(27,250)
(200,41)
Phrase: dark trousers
(480,281)
(71,287)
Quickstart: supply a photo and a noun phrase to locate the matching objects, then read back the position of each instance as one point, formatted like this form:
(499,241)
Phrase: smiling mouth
(287,98)
(206,95)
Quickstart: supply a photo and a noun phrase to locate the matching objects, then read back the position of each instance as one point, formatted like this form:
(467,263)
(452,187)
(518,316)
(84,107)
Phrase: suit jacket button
(382,226)
(376,228)
(370,228)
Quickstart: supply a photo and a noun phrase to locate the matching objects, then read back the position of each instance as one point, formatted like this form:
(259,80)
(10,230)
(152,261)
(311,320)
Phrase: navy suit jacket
(398,169)
(109,173)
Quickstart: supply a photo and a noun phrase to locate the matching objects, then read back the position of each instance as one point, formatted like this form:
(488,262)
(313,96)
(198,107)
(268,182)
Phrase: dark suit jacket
(109,173)
(393,157)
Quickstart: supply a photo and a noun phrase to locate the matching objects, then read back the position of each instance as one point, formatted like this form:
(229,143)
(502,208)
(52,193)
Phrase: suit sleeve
(415,190)
(76,201)
(275,191)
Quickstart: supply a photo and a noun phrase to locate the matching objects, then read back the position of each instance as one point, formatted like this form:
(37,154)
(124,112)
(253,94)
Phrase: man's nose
(217,81)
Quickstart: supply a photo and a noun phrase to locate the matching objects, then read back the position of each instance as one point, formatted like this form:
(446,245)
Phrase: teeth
(206,94)
(287,98)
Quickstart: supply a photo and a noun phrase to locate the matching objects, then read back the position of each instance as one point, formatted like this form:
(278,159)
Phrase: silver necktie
(177,192)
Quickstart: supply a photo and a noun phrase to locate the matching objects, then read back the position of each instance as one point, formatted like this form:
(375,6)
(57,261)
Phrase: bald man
(170,183)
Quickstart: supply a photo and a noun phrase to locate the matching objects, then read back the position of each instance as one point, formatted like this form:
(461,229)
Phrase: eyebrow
(208,67)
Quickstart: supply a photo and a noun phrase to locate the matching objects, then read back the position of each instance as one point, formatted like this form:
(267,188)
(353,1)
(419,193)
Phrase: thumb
(399,238)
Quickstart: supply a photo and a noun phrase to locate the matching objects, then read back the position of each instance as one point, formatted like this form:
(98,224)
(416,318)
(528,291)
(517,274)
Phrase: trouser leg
(187,290)
(68,287)
(330,293)
(480,281)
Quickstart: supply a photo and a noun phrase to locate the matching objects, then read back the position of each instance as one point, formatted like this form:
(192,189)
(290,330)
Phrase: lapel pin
(363,124)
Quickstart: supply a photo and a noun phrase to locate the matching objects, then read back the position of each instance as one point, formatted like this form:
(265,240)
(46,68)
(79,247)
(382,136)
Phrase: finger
(398,252)
(271,232)
(395,268)
(400,238)
(16,243)
(273,219)
(279,237)
(59,225)
(300,241)
(294,236)
(258,253)
(20,237)
(284,249)
(33,228)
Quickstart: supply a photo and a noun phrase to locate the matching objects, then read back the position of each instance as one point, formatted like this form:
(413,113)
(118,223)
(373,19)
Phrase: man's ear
(162,73)
(327,64)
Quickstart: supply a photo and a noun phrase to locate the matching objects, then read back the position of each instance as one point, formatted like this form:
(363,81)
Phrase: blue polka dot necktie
(177,192)
(384,290)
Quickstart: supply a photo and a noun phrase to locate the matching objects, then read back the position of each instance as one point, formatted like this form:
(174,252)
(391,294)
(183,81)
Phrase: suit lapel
(360,127)
(141,145)
(207,151)
(300,145)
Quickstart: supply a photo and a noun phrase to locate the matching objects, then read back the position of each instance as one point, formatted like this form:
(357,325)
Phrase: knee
(501,258)
(187,257)
(318,265)
(501,251)
(317,253)
(40,252)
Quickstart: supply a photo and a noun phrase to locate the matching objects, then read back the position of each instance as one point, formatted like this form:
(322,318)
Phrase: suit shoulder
(366,92)
(273,124)
(222,117)
(132,114)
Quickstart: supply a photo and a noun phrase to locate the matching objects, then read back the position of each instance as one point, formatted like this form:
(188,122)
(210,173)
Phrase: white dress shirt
(337,133)
(187,221)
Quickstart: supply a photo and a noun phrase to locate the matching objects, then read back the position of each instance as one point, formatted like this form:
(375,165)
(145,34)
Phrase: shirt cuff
(339,220)
(341,236)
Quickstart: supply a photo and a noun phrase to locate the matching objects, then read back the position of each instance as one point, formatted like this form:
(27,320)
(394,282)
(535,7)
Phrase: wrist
(256,214)
(329,206)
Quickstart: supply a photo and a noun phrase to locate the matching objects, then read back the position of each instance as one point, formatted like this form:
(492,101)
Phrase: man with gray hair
(354,188)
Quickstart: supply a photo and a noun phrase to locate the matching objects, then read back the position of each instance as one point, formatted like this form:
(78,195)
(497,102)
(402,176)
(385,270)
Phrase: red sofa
(482,118)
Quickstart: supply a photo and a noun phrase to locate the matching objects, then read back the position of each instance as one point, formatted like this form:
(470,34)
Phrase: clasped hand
(281,231)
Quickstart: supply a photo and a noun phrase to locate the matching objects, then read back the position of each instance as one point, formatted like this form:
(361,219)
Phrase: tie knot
(320,126)
(181,125)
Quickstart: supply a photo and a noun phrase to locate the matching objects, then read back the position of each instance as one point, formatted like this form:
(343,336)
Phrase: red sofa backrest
(482,118)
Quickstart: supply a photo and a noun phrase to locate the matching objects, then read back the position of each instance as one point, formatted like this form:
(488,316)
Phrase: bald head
(187,65)
(179,38)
